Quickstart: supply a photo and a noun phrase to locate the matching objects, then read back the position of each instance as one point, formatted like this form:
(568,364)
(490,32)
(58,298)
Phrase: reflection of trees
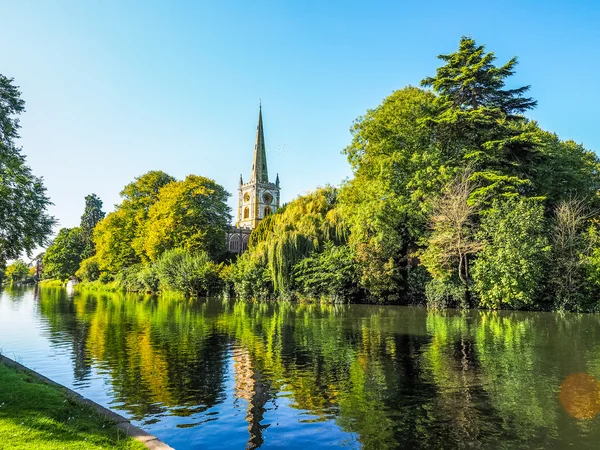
(396,377)
(63,317)
(159,354)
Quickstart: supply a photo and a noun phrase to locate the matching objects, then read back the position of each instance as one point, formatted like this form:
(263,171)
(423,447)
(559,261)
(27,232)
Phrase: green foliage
(300,229)
(190,214)
(91,216)
(24,222)
(509,271)
(89,269)
(397,169)
(446,293)
(17,272)
(118,237)
(113,238)
(250,276)
(63,257)
(330,274)
(194,274)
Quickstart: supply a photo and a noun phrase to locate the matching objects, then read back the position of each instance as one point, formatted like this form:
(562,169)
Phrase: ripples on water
(220,374)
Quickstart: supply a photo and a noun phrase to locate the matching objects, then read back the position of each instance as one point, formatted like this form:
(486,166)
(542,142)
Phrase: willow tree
(281,241)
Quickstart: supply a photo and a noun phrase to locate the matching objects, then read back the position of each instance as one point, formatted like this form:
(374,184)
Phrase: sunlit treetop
(471,80)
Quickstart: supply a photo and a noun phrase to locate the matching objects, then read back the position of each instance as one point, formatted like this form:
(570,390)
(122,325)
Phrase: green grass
(35,415)
(51,283)
(112,286)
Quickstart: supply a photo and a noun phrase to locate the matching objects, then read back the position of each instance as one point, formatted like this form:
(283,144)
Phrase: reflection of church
(250,386)
(257,198)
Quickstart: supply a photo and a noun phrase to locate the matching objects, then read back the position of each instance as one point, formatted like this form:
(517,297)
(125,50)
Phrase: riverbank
(38,413)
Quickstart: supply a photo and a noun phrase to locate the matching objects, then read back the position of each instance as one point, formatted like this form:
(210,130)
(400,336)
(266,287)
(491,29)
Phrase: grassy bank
(112,286)
(36,415)
(51,283)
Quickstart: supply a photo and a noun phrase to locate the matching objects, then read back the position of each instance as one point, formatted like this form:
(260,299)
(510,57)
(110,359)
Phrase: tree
(480,123)
(24,222)
(452,242)
(397,170)
(190,214)
(92,214)
(88,269)
(63,257)
(509,271)
(118,237)
(571,247)
(470,80)
(17,271)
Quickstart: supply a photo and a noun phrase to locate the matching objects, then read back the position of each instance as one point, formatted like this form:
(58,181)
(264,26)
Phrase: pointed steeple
(259,163)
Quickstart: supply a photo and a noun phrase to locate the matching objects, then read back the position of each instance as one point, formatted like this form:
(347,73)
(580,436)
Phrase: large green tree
(191,214)
(24,221)
(479,122)
(397,170)
(118,237)
(63,257)
(304,228)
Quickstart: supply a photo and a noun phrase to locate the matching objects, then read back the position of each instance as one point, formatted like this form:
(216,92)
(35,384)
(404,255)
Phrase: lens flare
(580,395)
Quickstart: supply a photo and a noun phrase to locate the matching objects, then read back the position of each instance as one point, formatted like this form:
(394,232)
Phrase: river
(214,374)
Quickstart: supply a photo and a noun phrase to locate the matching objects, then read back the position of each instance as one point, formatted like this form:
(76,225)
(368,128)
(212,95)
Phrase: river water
(210,374)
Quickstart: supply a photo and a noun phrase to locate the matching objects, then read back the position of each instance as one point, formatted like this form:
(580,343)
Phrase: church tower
(258,197)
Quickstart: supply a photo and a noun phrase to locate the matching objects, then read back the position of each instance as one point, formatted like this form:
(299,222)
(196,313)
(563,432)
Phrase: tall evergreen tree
(480,123)
(91,216)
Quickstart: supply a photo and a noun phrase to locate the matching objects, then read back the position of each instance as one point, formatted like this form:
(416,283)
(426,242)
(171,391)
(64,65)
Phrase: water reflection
(216,374)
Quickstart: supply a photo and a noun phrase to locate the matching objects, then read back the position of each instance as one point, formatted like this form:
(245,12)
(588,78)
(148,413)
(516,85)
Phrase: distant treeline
(457,199)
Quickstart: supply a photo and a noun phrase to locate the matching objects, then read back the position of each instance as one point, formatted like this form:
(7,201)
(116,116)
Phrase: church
(257,198)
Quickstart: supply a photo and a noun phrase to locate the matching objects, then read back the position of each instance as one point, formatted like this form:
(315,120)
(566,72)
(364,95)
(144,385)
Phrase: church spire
(259,163)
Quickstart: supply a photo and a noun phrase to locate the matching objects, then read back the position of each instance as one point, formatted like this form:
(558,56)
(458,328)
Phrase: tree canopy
(24,221)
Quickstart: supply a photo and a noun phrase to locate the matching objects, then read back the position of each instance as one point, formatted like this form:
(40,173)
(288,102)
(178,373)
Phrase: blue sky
(117,88)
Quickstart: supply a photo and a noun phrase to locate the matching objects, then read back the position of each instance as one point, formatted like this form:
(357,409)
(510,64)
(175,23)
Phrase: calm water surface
(219,374)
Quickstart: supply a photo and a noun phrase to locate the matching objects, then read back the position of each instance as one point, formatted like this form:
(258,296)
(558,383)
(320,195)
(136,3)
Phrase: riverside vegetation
(457,199)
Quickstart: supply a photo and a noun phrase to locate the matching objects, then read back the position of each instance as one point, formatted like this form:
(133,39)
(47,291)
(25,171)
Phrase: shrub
(88,269)
(194,274)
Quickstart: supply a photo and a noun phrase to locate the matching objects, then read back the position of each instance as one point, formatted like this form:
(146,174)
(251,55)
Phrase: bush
(128,279)
(88,269)
(148,278)
(194,274)
(509,271)
(251,278)
(331,274)
(446,293)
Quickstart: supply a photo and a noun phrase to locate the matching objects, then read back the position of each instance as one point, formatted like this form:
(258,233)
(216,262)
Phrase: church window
(234,244)
(267,211)
(246,212)
(267,198)
(246,197)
